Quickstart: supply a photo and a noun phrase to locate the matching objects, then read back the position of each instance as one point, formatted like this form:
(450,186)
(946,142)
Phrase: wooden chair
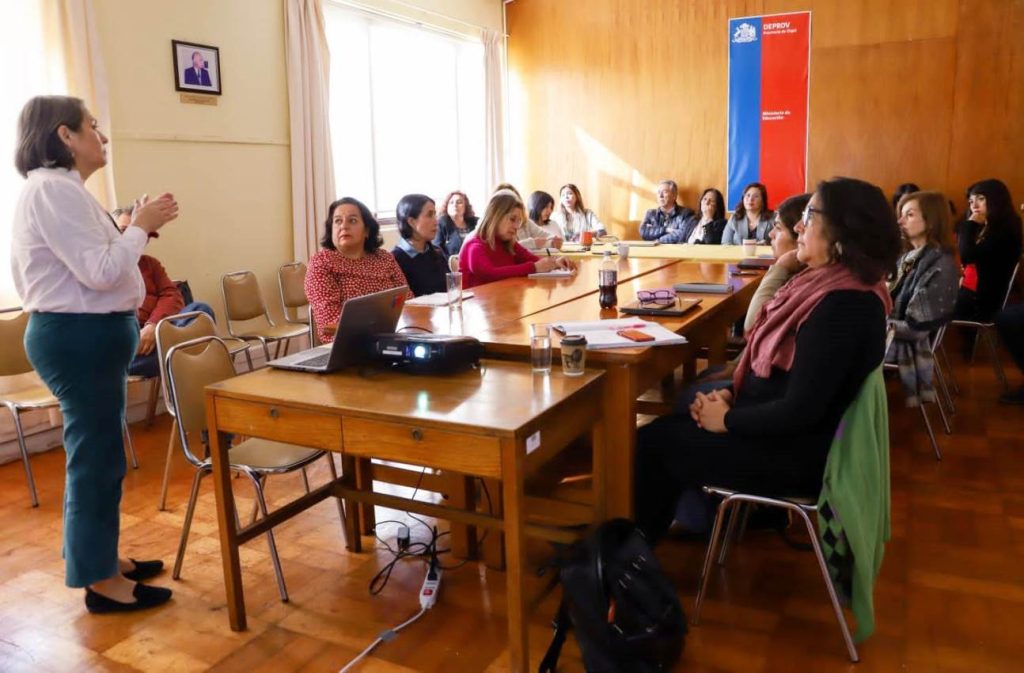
(168,335)
(14,362)
(243,302)
(190,367)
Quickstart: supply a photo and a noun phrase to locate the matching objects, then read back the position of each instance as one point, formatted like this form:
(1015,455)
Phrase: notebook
(682,306)
(640,244)
(755,263)
(557,273)
(603,334)
(703,288)
(436,299)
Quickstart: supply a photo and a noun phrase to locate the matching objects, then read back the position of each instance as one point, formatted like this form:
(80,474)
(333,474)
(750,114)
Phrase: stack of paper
(435,299)
(603,334)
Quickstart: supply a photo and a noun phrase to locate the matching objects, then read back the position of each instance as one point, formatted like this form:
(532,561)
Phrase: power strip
(431,583)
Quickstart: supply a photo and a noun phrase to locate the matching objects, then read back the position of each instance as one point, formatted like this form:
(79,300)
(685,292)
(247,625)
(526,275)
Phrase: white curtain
(72,30)
(308,64)
(494,119)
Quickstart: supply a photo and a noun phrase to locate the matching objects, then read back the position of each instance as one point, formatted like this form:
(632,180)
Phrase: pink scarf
(771,342)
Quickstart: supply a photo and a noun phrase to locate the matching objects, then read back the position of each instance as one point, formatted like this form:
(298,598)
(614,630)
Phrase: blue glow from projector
(419,351)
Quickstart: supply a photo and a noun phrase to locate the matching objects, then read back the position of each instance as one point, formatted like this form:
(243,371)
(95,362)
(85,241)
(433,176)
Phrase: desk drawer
(279,423)
(466,453)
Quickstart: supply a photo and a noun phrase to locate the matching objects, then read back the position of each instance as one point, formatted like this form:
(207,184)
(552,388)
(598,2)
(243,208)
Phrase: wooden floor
(950,599)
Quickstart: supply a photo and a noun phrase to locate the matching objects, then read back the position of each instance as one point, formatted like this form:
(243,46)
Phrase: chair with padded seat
(191,366)
(168,335)
(243,302)
(291,281)
(34,396)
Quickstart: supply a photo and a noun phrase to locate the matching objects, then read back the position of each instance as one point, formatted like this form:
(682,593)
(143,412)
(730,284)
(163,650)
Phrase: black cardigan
(426,271)
(994,257)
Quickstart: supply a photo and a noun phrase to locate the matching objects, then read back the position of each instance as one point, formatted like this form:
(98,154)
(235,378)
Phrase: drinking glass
(540,348)
(454,289)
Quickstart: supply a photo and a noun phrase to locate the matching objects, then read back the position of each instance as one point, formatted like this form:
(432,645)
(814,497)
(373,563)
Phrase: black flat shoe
(145,597)
(144,570)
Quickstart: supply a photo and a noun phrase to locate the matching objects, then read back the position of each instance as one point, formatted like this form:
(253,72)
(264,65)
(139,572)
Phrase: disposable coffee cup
(750,247)
(623,251)
(574,354)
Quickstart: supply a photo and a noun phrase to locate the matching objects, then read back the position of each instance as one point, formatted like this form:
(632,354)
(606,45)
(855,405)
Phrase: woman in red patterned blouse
(351,264)
(493,254)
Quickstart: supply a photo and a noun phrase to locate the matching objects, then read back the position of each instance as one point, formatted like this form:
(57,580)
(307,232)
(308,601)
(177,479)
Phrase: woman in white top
(79,280)
(752,219)
(573,217)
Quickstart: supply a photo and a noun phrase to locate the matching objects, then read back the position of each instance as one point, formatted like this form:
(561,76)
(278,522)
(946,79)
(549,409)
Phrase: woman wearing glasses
(807,356)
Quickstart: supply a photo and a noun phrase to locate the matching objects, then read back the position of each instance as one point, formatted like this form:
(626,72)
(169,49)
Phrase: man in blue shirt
(668,222)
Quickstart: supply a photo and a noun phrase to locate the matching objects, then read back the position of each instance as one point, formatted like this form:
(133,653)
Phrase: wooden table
(515,298)
(677,251)
(485,423)
(631,371)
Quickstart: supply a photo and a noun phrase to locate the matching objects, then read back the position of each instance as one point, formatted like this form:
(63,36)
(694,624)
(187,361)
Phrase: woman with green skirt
(79,281)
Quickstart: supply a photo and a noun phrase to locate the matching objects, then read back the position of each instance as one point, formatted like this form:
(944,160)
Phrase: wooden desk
(482,423)
(515,298)
(678,251)
(631,371)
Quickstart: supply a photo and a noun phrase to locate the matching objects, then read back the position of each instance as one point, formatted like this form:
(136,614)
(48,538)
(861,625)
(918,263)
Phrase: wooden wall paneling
(617,94)
(882,112)
(988,113)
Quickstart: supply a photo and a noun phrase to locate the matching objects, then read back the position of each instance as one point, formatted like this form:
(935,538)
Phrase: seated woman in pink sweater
(493,254)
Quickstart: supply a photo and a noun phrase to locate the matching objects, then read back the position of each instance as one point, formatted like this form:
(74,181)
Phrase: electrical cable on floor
(384,637)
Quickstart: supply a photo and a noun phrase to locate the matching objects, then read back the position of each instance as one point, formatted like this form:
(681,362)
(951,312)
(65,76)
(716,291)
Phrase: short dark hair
(791,211)
(861,226)
(39,146)
(373,238)
(719,213)
(411,205)
(536,204)
(999,204)
(741,210)
(901,191)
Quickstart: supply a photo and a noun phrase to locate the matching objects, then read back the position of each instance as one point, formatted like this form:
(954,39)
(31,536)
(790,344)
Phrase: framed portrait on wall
(196,67)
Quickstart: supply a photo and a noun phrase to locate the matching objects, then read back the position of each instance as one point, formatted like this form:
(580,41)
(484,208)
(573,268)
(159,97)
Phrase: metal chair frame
(942,392)
(285,305)
(987,331)
(802,509)
(257,475)
(261,339)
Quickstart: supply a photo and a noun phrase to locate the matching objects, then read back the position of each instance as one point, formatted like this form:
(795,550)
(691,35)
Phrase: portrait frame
(186,78)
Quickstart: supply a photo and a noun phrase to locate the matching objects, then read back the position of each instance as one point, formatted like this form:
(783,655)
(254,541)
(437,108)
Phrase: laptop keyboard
(316,361)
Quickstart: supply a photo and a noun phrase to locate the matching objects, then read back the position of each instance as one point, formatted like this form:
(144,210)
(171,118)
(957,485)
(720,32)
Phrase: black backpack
(624,610)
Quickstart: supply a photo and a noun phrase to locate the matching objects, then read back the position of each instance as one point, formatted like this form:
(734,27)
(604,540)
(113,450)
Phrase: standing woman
(422,262)
(752,218)
(79,281)
(573,217)
(457,219)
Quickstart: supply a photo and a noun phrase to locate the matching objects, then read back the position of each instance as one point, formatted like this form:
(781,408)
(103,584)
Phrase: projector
(427,353)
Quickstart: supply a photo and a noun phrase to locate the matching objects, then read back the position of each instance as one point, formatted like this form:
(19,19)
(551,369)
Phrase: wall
(617,94)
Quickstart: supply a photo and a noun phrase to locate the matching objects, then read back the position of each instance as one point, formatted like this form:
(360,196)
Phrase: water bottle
(607,281)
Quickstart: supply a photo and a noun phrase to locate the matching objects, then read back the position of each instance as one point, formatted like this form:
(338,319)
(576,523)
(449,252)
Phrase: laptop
(361,318)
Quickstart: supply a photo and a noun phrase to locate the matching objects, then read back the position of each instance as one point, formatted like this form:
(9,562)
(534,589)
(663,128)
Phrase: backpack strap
(561,623)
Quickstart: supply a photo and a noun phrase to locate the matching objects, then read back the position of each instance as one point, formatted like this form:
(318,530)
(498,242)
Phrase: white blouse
(577,222)
(66,254)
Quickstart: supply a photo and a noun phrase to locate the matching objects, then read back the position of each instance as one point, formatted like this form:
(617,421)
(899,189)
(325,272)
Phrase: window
(30,71)
(406,110)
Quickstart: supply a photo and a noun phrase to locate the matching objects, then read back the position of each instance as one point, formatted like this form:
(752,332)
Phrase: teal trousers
(83,358)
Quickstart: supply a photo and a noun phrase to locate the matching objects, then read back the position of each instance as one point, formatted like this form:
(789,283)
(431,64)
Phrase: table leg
(599,448)
(494,545)
(226,520)
(619,404)
(462,495)
(514,501)
(364,482)
(353,535)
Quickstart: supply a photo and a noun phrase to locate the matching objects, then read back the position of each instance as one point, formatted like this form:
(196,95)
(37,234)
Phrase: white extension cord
(428,597)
